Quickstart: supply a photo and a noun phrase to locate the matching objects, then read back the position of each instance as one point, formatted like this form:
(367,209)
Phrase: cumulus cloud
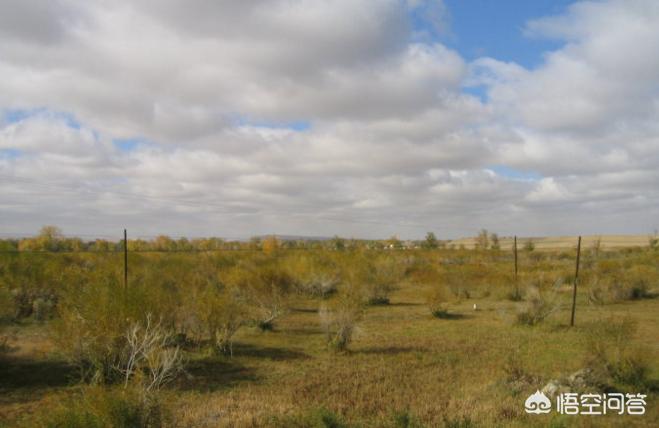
(318,118)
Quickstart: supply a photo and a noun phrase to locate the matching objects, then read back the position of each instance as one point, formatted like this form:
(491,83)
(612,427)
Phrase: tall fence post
(125,265)
(576,278)
(515,253)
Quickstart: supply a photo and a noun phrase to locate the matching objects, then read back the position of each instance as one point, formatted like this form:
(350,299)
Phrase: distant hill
(295,237)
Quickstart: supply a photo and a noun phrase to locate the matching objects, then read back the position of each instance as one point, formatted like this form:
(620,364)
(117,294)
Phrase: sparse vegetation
(529,245)
(614,357)
(183,345)
(431,241)
(340,319)
(437,300)
(611,283)
(483,240)
(100,407)
(537,306)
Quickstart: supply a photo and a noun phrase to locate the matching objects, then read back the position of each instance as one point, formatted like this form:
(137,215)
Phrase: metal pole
(125,264)
(515,251)
(574,288)
(516,281)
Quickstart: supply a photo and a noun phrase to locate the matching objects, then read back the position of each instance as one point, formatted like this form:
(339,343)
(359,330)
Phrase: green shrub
(95,312)
(6,305)
(220,312)
(515,295)
(437,300)
(379,277)
(266,289)
(90,329)
(404,419)
(314,274)
(327,419)
(613,356)
(537,307)
(43,308)
(103,408)
(612,283)
(340,319)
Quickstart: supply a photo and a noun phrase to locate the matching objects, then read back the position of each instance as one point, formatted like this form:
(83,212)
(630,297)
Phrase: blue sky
(17,115)
(495,29)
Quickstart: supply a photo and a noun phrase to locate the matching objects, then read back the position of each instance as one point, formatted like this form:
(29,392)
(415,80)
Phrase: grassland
(557,243)
(474,366)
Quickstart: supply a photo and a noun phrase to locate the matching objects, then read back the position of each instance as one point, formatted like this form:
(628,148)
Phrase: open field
(488,346)
(563,242)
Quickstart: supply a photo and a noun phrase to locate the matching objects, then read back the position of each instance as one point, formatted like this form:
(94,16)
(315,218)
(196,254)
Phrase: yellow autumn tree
(270,245)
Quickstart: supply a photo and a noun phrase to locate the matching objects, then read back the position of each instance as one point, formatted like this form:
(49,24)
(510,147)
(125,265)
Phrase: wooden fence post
(516,281)
(515,252)
(125,266)
(576,278)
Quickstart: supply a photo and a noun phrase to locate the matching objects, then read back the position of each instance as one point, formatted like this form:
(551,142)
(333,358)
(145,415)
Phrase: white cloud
(390,143)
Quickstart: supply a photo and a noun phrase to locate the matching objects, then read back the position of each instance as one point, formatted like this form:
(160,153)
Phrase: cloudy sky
(361,118)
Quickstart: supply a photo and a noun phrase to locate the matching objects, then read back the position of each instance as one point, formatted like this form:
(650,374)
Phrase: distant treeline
(51,239)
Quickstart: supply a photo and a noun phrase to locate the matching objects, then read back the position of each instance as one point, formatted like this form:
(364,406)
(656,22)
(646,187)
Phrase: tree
(72,244)
(340,317)
(8,245)
(102,245)
(431,241)
(338,244)
(183,244)
(271,245)
(49,239)
(653,240)
(482,240)
(266,290)
(529,245)
(254,243)
(164,243)
(495,241)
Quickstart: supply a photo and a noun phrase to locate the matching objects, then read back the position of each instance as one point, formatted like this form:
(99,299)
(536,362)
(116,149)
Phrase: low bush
(537,306)
(6,305)
(515,295)
(340,319)
(378,278)
(43,308)
(102,407)
(95,315)
(90,331)
(222,313)
(266,289)
(517,376)
(315,275)
(404,419)
(149,359)
(437,300)
(615,284)
(612,355)
(460,279)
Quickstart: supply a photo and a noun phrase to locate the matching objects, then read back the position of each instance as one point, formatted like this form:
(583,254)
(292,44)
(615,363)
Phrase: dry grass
(607,242)
(403,364)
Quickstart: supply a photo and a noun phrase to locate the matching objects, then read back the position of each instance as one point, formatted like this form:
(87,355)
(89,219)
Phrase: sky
(358,118)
